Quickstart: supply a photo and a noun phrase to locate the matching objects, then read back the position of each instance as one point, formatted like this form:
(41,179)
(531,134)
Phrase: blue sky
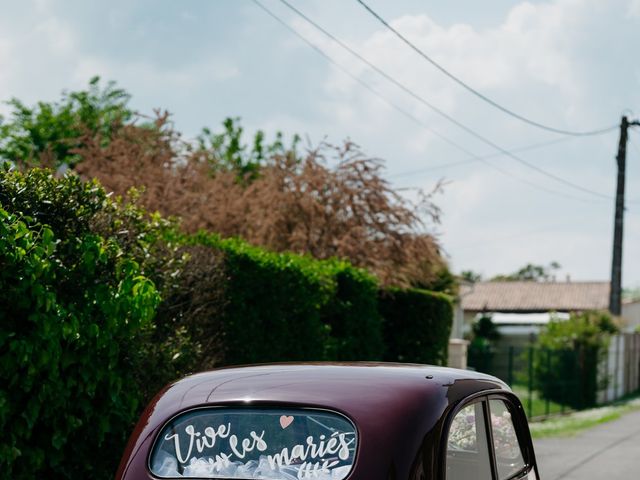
(568,63)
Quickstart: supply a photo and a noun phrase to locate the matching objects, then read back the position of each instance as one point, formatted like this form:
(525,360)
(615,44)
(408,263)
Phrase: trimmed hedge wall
(287,307)
(417,324)
(273,304)
(352,315)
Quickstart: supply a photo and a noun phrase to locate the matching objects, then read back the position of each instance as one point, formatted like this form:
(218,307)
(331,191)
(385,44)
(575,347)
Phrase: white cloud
(634,8)
(527,53)
(34,53)
(5,53)
(5,50)
(150,75)
(43,6)
(44,53)
(57,36)
(523,54)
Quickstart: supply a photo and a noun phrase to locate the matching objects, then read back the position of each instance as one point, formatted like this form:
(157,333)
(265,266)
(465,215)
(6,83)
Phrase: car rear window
(262,443)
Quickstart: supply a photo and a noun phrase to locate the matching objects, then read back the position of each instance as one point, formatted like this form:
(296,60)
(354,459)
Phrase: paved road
(610,451)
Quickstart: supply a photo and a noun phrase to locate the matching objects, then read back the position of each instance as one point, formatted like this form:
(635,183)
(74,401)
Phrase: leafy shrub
(72,304)
(570,351)
(188,324)
(417,324)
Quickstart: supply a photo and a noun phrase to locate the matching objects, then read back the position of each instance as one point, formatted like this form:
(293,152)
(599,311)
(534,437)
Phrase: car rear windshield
(263,443)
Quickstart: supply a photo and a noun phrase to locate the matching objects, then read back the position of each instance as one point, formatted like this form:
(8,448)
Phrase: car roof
(392,405)
(342,386)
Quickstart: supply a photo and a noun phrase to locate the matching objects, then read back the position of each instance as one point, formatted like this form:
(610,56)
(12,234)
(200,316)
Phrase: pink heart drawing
(285,421)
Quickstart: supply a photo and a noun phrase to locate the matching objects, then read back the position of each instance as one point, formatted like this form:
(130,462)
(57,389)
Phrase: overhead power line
(475,158)
(476,92)
(429,105)
(409,115)
(361,82)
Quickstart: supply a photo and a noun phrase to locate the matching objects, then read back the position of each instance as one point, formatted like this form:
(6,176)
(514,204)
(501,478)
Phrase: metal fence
(555,381)
(620,368)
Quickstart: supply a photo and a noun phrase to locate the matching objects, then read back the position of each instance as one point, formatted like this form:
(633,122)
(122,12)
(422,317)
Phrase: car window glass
(262,443)
(505,441)
(467,448)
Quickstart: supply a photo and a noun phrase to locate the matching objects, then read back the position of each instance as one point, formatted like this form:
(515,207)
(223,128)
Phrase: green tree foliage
(484,335)
(631,294)
(226,150)
(442,280)
(530,273)
(485,329)
(470,276)
(49,132)
(72,305)
(417,324)
(566,363)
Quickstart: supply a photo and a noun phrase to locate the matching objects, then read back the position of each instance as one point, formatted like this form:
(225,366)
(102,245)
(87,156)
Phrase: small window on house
(262,443)
(467,449)
(507,449)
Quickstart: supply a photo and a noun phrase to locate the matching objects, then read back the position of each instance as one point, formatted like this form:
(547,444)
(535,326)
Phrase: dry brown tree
(335,203)
(331,202)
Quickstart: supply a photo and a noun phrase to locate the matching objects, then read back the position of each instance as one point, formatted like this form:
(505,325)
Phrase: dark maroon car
(361,421)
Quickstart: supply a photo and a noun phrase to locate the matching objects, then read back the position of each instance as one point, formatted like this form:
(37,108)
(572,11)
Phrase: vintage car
(356,421)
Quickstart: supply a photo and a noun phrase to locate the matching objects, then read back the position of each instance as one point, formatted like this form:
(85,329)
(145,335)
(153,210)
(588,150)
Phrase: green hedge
(273,304)
(352,315)
(72,304)
(82,276)
(417,324)
(287,307)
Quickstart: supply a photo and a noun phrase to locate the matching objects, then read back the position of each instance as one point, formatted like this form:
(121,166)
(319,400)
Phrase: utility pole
(615,295)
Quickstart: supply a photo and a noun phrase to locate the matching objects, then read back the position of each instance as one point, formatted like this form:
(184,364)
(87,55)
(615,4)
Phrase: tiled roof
(535,296)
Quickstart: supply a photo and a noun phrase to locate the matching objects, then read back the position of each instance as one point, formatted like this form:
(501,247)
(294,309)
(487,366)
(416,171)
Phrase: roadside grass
(539,406)
(575,422)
